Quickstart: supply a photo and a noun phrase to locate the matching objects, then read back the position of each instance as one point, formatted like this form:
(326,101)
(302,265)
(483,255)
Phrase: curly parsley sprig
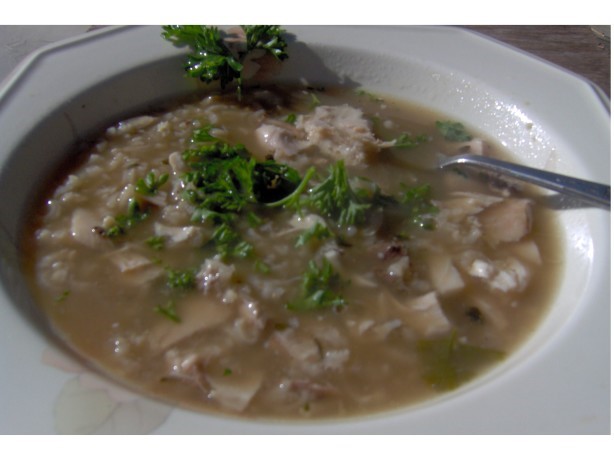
(211,59)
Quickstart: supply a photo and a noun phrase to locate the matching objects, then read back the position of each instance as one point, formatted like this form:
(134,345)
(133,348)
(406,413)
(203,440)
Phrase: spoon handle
(588,191)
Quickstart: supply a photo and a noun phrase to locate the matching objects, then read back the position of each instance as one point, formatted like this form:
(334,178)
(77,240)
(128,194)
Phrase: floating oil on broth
(294,255)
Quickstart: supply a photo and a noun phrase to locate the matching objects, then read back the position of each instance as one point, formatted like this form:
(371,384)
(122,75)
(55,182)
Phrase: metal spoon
(587,191)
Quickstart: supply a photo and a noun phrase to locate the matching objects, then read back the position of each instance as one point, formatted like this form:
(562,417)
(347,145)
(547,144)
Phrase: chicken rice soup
(294,254)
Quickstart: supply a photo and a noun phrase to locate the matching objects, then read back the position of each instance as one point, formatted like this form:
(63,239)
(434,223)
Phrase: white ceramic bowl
(558,382)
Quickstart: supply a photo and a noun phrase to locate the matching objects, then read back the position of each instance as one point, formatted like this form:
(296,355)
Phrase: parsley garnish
(418,206)
(168,310)
(228,242)
(62,296)
(150,184)
(453,131)
(319,288)
(182,279)
(210,58)
(318,231)
(136,213)
(407,141)
(448,362)
(156,242)
(225,182)
(336,199)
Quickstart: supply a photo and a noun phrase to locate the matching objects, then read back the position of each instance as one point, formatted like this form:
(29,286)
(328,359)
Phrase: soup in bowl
(289,258)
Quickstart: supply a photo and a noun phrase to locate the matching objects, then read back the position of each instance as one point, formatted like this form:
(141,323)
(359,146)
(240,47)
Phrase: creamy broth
(415,298)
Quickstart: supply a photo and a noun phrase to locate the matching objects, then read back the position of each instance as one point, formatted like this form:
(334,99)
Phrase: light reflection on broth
(136,275)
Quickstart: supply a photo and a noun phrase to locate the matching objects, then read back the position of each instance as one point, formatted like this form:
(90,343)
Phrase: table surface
(580,49)
(584,50)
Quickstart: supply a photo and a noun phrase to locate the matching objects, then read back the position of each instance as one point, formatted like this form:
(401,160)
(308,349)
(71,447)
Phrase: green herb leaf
(295,199)
(150,184)
(62,296)
(407,141)
(268,38)
(453,131)
(210,59)
(156,242)
(319,289)
(182,279)
(419,207)
(448,362)
(274,181)
(318,231)
(335,198)
(136,213)
(229,243)
(168,310)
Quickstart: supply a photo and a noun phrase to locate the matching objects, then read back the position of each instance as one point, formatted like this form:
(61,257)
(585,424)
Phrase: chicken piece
(443,274)
(342,132)
(338,132)
(507,221)
(476,146)
(508,274)
(136,269)
(197,314)
(458,215)
(188,236)
(308,353)
(527,251)
(511,275)
(215,275)
(236,390)
(424,315)
(300,347)
(83,228)
(465,204)
(284,141)
(395,267)
(250,323)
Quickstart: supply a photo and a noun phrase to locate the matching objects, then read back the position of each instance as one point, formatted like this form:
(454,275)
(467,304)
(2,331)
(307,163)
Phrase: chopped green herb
(291,118)
(295,199)
(62,296)
(183,279)
(453,131)
(419,207)
(268,38)
(448,362)
(156,242)
(211,59)
(203,135)
(229,243)
(318,231)
(315,101)
(150,184)
(168,310)
(262,267)
(273,181)
(227,371)
(335,198)
(318,289)
(136,213)
(407,141)
(373,97)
